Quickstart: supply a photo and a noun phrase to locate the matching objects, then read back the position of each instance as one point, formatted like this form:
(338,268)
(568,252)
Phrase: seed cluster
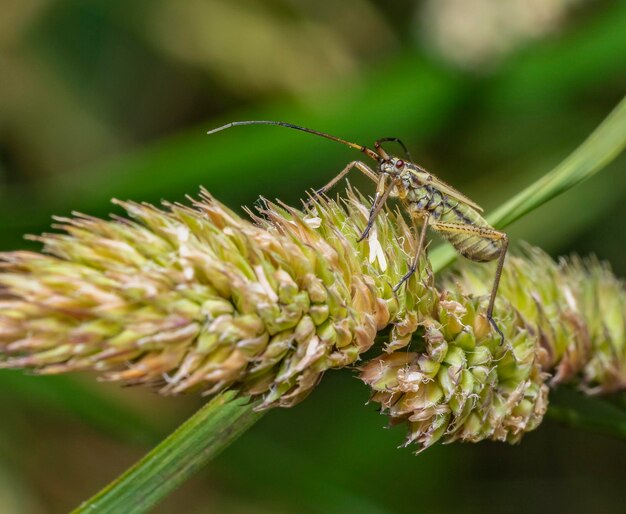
(458,382)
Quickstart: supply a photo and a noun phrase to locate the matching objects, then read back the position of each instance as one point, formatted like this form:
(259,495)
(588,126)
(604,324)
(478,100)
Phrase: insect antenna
(377,145)
(370,153)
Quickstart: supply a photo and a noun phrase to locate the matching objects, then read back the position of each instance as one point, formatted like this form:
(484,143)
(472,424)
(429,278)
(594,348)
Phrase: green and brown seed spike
(198,299)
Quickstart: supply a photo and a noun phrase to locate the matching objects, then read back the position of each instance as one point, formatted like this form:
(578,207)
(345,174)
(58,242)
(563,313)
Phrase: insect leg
(504,241)
(418,251)
(488,233)
(361,166)
(382,193)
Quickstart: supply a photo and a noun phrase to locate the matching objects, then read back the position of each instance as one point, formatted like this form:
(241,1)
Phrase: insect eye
(399,164)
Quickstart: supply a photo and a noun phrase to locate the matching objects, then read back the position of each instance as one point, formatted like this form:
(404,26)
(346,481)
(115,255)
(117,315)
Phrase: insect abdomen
(475,248)
(470,243)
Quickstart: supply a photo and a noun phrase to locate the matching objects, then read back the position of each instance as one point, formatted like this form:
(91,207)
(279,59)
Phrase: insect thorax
(422,199)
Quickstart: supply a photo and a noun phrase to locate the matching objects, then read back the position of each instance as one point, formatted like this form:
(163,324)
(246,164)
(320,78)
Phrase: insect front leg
(486,233)
(361,166)
(418,251)
(382,193)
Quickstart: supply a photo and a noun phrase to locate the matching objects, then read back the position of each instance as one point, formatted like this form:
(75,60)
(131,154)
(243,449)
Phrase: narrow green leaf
(178,457)
(599,149)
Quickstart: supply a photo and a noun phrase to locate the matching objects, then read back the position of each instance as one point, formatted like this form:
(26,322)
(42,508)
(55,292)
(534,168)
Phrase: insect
(428,200)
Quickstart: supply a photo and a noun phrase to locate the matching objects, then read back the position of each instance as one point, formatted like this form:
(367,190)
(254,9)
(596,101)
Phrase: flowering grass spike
(198,299)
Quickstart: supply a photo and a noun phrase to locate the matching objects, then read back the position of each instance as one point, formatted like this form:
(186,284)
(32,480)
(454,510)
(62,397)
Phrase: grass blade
(598,150)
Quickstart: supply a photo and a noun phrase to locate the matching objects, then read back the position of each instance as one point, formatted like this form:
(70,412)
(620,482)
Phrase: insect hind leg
(504,241)
(495,326)
(488,233)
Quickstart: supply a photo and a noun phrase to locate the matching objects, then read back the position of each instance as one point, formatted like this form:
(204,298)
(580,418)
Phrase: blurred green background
(102,99)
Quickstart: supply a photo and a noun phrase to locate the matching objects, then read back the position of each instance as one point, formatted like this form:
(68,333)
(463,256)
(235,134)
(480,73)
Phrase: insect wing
(428,179)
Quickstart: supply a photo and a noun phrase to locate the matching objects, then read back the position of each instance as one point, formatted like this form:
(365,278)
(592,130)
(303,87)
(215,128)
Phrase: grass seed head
(199,299)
